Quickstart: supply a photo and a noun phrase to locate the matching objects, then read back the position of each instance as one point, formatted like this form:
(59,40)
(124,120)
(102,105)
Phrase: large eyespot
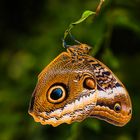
(117,107)
(56,94)
(89,83)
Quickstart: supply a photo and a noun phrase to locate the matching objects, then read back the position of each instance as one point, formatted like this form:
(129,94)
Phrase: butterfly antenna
(73,38)
(64,44)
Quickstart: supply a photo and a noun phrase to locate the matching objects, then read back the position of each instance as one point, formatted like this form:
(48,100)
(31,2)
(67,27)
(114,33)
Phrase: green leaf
(84,16)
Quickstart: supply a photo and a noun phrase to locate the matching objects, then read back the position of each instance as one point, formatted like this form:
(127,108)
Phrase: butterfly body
(75,86)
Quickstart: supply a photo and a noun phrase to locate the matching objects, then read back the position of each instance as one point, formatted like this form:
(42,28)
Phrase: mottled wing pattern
(104,76)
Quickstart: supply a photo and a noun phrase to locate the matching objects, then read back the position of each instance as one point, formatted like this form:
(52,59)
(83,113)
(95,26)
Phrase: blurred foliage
(30,37)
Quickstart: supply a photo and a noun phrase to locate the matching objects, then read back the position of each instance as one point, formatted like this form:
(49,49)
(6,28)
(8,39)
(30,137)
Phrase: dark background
(30,37)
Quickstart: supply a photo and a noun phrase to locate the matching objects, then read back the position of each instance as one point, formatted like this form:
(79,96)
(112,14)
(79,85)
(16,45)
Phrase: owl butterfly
(75,86)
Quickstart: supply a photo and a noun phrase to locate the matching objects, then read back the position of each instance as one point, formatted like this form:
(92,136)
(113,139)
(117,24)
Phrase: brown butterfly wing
(69,74)
(113,101)
(89,89)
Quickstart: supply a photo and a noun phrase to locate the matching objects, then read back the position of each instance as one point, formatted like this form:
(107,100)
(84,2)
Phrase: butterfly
(75,86)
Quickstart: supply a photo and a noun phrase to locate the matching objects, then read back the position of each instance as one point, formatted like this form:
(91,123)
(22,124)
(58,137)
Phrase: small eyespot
(89,83)
(130,111)
(56,94)
(117,107)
